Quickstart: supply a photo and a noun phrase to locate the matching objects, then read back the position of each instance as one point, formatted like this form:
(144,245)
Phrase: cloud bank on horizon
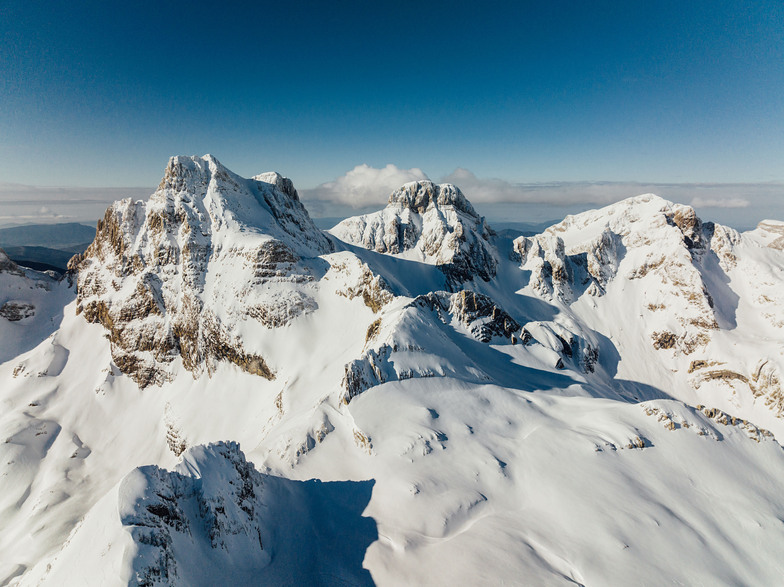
(365,188)
(27,204)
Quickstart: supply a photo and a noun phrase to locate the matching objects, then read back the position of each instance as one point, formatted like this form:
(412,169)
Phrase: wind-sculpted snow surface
(423,339)
(422,402)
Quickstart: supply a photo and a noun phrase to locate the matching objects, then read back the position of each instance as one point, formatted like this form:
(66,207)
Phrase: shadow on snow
(320,533)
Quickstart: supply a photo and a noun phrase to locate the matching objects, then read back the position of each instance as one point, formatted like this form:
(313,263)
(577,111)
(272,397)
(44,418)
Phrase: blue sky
(100,94)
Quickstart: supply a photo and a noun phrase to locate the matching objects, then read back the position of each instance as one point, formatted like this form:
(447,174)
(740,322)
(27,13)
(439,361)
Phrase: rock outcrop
(648,271)
(355,279)
(213,498)
(664,246)
(476,312)
(13,310)
(773,232)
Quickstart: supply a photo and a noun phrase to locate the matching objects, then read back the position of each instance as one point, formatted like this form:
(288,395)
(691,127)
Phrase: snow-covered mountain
(159,273)
(648,274)
(428,223)
(220,392)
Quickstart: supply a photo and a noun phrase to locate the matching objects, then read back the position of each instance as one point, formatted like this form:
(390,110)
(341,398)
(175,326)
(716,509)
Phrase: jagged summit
(266,203)
(428,222)
(420,196)
(159,272)
(646,238)
(182,168)
(677,280)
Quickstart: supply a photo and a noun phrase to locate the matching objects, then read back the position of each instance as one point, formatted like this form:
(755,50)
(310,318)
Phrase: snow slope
(31,305)
(420,403)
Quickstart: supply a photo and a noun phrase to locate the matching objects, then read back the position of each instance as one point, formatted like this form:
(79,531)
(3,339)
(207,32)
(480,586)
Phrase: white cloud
(364,185)
(700,202)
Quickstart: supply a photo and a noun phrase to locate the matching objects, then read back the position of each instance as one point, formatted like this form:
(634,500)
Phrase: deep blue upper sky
(102,93)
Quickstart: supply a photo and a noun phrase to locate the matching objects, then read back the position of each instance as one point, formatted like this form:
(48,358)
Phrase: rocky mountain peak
(357,365)
(159,272)
(420,196)
(432,223)
(268,203)
(184,171)
(647,239)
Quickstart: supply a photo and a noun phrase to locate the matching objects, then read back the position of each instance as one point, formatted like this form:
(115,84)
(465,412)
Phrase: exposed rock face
(544,256)
(665,246)
(214,497)
(767,383)
(369,370)
(355,279)
(681,284)
(764,380)
(159,272)
(474,311)
(588,267)
(723,242)
(13,311)
(698,420)
(428,222)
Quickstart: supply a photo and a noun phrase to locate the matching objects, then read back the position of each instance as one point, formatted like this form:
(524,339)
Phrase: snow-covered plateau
(219,393)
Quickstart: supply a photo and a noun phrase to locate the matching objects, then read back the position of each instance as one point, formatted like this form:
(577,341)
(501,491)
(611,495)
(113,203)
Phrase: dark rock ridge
(474,311)
(14,311)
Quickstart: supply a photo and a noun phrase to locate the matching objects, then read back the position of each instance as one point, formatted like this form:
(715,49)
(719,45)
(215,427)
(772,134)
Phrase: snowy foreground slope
(220,393)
